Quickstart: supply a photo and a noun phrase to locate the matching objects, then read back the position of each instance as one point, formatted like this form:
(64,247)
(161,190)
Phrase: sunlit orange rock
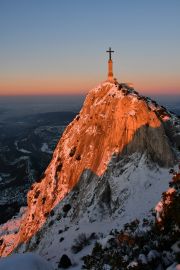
(111,122)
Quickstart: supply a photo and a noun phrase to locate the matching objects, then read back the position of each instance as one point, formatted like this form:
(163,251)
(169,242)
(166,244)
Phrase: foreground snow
(28,261)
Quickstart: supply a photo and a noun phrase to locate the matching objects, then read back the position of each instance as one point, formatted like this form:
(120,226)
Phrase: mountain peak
(115,122)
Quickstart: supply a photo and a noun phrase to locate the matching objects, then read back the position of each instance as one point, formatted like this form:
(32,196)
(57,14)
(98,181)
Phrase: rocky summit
(110,166)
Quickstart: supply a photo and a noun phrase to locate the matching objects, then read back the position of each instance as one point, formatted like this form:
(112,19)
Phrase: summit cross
(110,66)
(110,53)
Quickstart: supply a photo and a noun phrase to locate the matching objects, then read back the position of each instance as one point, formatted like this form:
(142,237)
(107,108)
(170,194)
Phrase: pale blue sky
(51,42)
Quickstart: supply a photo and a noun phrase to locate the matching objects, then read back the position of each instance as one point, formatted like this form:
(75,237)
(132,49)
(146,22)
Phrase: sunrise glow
(44,51)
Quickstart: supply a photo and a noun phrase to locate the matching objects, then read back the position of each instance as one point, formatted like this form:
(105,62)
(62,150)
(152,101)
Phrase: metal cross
(109,53)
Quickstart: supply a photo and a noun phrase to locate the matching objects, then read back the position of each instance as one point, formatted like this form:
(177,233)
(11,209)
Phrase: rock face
(115,125)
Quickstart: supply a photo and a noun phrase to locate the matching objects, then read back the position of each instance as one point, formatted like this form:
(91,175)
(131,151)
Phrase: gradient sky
(58,46)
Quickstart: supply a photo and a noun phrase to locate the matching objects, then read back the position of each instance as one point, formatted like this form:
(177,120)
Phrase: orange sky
(54,86)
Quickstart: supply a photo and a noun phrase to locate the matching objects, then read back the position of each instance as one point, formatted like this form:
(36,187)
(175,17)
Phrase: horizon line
(80,94)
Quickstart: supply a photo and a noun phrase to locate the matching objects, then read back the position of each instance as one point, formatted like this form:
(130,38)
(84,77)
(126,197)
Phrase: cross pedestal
(110,71)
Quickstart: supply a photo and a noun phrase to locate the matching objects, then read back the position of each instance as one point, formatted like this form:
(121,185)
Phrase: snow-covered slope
(28,261)
(99,205)
(109,167)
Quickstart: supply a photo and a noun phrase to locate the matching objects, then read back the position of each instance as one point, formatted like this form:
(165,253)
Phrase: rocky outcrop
(114,123)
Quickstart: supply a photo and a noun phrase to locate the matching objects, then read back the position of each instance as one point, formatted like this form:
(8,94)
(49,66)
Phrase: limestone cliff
(115,122)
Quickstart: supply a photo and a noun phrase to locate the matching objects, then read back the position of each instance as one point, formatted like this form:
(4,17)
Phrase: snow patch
(45,148)
(28,261)
(132,112)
